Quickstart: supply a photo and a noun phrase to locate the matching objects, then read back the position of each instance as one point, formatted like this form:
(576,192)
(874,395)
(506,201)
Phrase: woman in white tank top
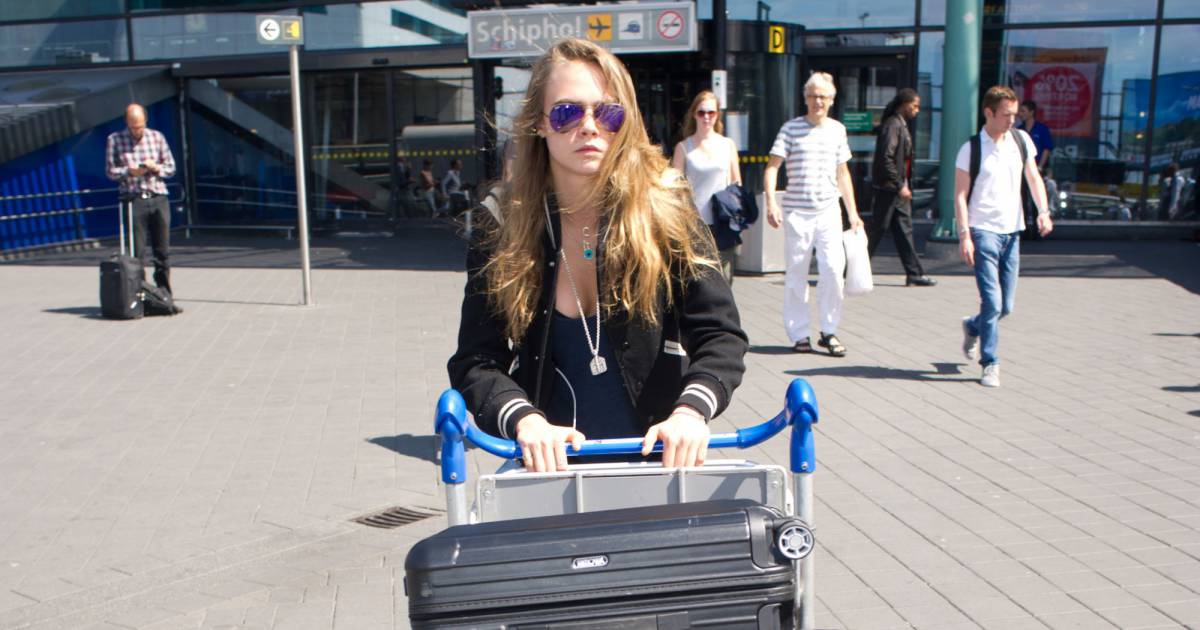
(709,160)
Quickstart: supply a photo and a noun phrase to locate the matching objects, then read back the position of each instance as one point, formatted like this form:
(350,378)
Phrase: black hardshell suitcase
(121,276)
(708,564)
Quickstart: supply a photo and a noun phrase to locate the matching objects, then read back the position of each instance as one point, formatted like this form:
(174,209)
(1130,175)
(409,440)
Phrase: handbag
(858,263)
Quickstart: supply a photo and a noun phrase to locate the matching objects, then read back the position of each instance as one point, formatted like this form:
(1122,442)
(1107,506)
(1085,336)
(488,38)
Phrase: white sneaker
(970,342)
(991,375)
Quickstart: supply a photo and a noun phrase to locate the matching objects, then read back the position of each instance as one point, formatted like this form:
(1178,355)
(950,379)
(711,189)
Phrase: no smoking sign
(669,24)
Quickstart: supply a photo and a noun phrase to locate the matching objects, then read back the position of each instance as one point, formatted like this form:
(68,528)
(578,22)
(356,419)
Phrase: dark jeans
(889,210)
(153,216)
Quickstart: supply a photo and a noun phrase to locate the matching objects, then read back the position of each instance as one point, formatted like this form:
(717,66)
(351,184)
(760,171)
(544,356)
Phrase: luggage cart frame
(800,412)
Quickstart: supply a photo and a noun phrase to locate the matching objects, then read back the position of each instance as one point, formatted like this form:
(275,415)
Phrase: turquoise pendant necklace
(588,252)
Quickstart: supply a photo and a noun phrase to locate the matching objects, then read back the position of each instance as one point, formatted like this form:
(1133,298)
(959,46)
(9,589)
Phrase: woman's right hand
(544,445)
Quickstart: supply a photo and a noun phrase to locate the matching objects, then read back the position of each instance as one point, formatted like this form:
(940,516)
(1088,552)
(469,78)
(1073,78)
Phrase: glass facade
(57,9)
(1117,127)
(195,35)
(383,24)
(1176,135)
(1080,79)
(65,43)
(1033,11)
(1181,9)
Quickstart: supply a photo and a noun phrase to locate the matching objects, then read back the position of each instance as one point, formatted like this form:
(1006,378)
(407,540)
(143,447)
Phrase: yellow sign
(291,30)
(600,27)
(776,41)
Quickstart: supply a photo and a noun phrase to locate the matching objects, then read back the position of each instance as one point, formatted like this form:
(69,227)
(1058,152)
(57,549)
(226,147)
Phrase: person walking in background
(891,177)
(1170,192)
(1027,121)
(989,170)
(452,185)
(709,160)
(140,159)
(428,185)
(817,150)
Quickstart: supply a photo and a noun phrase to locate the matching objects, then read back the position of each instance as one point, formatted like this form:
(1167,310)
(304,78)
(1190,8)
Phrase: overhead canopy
(40,108)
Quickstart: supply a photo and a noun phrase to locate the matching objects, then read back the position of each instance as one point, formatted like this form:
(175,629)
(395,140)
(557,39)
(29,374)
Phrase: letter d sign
(775,41)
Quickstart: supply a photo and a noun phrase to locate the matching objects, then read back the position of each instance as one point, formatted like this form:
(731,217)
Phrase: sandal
(832,344)
(804,346)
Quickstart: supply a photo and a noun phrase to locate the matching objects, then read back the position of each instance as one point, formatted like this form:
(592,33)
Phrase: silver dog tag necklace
(598,365)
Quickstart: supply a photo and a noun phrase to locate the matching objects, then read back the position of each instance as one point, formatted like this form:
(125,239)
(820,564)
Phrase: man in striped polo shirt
(816,151)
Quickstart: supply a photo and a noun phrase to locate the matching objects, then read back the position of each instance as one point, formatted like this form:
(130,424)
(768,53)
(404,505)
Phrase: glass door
(374,131)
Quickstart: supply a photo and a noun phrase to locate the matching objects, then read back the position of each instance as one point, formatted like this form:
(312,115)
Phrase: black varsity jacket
(693,357)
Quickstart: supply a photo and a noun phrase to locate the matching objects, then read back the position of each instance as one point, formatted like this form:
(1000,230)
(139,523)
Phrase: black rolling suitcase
(711,564)
(121,276)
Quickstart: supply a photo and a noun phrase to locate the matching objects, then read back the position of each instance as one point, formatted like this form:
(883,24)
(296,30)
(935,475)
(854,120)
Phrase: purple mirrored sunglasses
(565,116)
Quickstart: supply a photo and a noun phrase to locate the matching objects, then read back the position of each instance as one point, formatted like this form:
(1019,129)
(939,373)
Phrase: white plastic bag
(858,263)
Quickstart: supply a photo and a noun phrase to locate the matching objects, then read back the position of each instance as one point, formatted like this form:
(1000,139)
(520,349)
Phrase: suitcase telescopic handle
(799,411)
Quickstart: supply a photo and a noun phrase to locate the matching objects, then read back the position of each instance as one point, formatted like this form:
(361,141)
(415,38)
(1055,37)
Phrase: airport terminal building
(389,84)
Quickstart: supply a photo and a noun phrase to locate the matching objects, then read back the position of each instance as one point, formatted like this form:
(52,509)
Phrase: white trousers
(804,233)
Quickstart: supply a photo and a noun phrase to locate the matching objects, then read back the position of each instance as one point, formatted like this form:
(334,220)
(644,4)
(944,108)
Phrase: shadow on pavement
(421,246)
(1196,335)
(1183,389)
(771,350)
(423,447)
(1175,261)
(245,302)
(1194,412)
(86,312)
(940,372)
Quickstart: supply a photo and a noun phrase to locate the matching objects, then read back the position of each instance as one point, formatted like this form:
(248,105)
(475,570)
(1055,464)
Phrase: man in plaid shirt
(140,159)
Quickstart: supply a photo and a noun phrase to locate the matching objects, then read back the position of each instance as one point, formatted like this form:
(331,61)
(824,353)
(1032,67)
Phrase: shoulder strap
(975,159)
(1019,136)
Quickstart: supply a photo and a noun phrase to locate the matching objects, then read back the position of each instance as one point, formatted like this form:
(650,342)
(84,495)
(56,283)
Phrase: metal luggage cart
(512,492)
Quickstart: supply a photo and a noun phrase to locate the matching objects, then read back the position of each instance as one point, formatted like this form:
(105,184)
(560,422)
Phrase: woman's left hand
(684,436)
(856,222)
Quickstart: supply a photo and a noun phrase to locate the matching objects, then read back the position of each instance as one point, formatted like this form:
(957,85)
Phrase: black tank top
(599,403)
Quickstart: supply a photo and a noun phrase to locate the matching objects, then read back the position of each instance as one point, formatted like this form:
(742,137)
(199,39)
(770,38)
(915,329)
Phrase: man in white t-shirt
(990,218)
(816,150)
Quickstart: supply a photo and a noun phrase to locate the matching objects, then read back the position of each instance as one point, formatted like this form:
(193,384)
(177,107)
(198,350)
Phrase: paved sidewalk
(202,471)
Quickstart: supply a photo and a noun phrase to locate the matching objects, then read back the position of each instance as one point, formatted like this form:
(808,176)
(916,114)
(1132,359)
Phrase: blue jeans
(997,259)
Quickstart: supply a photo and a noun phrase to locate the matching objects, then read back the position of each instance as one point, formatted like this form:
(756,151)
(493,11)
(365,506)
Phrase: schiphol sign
(651,27)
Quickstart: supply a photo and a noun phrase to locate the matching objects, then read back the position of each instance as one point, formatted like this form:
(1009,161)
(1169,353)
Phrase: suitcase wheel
(794,539)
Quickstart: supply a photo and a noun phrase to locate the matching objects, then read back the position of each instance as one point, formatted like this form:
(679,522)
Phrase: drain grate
(392,518)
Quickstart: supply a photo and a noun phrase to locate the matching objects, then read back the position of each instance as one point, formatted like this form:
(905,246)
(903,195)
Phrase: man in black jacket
(891,173)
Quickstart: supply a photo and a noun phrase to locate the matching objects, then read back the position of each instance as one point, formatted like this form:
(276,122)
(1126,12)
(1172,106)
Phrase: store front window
(1082,81)
(1176,126)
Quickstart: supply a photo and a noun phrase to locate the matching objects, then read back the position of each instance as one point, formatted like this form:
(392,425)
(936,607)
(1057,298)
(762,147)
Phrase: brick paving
(202,471)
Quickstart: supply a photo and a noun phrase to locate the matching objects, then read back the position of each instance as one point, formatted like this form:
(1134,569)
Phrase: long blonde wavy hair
(653,233)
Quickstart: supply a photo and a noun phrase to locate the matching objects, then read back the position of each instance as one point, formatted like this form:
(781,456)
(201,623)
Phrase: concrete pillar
(960,101)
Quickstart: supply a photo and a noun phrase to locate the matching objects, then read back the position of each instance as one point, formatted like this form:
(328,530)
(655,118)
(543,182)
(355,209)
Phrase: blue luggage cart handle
(799,411)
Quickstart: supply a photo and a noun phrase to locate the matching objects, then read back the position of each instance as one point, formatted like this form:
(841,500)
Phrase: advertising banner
(1066,84)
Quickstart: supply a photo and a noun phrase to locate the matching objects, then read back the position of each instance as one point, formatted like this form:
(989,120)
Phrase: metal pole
(456,504)
(803,489)
(960,100)
(301,193)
